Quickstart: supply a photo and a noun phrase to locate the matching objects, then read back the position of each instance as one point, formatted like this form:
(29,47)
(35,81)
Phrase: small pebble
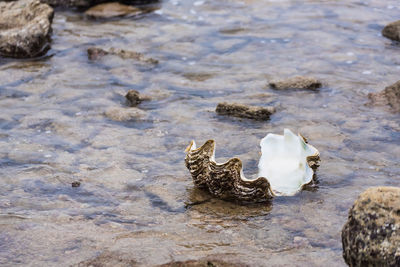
(76,184)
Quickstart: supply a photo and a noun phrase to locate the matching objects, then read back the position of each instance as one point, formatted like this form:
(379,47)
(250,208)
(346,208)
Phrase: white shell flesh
(284,162)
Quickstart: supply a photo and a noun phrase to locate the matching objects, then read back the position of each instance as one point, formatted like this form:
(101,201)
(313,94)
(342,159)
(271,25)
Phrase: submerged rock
(243,111)
(109,258)
(114,9)
(95,53)
(392,31)
(389,96)
(298,82)
(25,28)
(371,235)
(202,263)
(124,114)
(134,98)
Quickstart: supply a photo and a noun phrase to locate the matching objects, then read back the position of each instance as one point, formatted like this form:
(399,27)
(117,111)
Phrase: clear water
(136,196)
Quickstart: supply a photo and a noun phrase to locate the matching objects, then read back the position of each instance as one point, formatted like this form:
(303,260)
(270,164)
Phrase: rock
(298,82)
(109,258)
(243,111)
(124,114)
(202,263)
(371,235)
(89,3)
(95,53)
(389,96)
(76,184)
(392,31)
(69,3)
(111,10)
(25,28)
(134,98)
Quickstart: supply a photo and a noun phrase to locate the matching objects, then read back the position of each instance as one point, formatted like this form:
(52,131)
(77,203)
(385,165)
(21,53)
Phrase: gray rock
(389,96)
(392,31)
(298,82)
(243,111)
(371,235)
(25,28)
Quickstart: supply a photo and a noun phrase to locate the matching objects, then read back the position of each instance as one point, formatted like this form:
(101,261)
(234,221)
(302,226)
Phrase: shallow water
(136,196)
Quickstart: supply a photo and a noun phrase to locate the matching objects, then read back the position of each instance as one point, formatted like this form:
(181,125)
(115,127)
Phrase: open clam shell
(285,166)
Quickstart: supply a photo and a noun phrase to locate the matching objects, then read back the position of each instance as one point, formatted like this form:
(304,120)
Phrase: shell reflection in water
(285,166)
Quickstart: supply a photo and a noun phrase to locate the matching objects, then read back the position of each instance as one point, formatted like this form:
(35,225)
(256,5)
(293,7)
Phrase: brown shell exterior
(224,180)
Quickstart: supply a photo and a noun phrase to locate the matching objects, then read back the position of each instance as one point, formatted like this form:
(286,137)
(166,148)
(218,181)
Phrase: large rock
(88,3)
(392,31)
(371,235)
(389,96)
(25,28)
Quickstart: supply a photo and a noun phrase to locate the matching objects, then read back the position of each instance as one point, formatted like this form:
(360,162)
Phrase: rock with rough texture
(25,28)
(371,235)
(111,10)
(298,82)
(243,111)
(109,258)
(134,98)
(392,31)
(202,263)
(89,3)
(95,53)
(389,96)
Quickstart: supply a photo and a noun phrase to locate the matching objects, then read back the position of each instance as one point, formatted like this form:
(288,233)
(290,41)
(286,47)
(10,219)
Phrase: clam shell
(227,181)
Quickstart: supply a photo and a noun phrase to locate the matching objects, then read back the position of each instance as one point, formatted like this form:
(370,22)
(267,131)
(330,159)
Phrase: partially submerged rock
(288,161)
(71,3)
(113,9)
(95,53)
(392,31)
(389,96)
(298,82)
(88,3)
(25,28)
(134,98)
(371,235)
(243,111)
